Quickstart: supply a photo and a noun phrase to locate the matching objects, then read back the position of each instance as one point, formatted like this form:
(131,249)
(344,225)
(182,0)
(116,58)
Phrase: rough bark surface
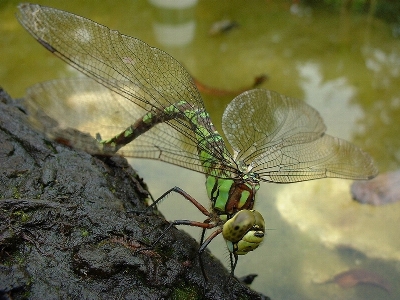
(66,233)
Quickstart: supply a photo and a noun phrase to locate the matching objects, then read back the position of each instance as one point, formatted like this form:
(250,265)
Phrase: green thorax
(208,142)
(229,196)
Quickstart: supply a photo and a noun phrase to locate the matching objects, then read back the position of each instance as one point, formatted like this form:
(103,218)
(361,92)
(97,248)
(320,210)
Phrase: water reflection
(174,23)
(385,65)
(332,98)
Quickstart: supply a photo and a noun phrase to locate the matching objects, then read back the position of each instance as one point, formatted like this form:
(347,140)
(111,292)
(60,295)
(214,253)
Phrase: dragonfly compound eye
(244,232)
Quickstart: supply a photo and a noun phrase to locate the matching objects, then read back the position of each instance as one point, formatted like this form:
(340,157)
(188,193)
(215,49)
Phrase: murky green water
(346,66)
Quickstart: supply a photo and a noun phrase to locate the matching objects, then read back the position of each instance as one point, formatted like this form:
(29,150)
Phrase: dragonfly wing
(325,157)
(258,119)
(145,75)
(148,77)
(282,139)
(86,105)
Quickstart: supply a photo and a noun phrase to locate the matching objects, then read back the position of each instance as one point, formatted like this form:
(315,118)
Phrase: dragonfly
(141,102)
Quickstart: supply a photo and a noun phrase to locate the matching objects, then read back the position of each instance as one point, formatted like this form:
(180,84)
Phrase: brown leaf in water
(354,277)
(221,92)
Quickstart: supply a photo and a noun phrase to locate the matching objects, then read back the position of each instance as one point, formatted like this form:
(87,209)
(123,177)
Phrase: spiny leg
(233,257)
(201,263)
(185,195)
(203,246)
(178,190)
(205,225)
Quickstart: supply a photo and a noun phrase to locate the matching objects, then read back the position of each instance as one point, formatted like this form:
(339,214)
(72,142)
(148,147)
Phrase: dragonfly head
(244,232)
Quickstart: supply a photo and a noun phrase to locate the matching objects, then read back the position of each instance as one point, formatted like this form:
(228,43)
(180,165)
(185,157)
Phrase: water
(346,66)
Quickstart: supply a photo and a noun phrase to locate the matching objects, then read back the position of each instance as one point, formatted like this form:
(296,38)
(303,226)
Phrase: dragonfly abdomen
(197,119)
(210,144)
(142,125)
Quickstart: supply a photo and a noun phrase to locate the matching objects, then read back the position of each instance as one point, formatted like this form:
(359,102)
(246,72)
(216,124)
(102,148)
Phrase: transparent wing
(148,77)
(86,105)
(145,75)
(282,139)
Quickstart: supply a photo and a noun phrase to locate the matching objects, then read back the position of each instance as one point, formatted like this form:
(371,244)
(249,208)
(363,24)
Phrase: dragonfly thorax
(228,196)
(241,165)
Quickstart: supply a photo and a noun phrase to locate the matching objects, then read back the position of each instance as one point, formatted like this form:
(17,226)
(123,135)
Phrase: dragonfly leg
(185,195)
(203,270)
(203,246)
(178,190)
(205,225)
(233,257)
(207,241)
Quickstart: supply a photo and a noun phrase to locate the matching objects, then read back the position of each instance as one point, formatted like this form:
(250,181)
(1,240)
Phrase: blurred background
(340,56)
